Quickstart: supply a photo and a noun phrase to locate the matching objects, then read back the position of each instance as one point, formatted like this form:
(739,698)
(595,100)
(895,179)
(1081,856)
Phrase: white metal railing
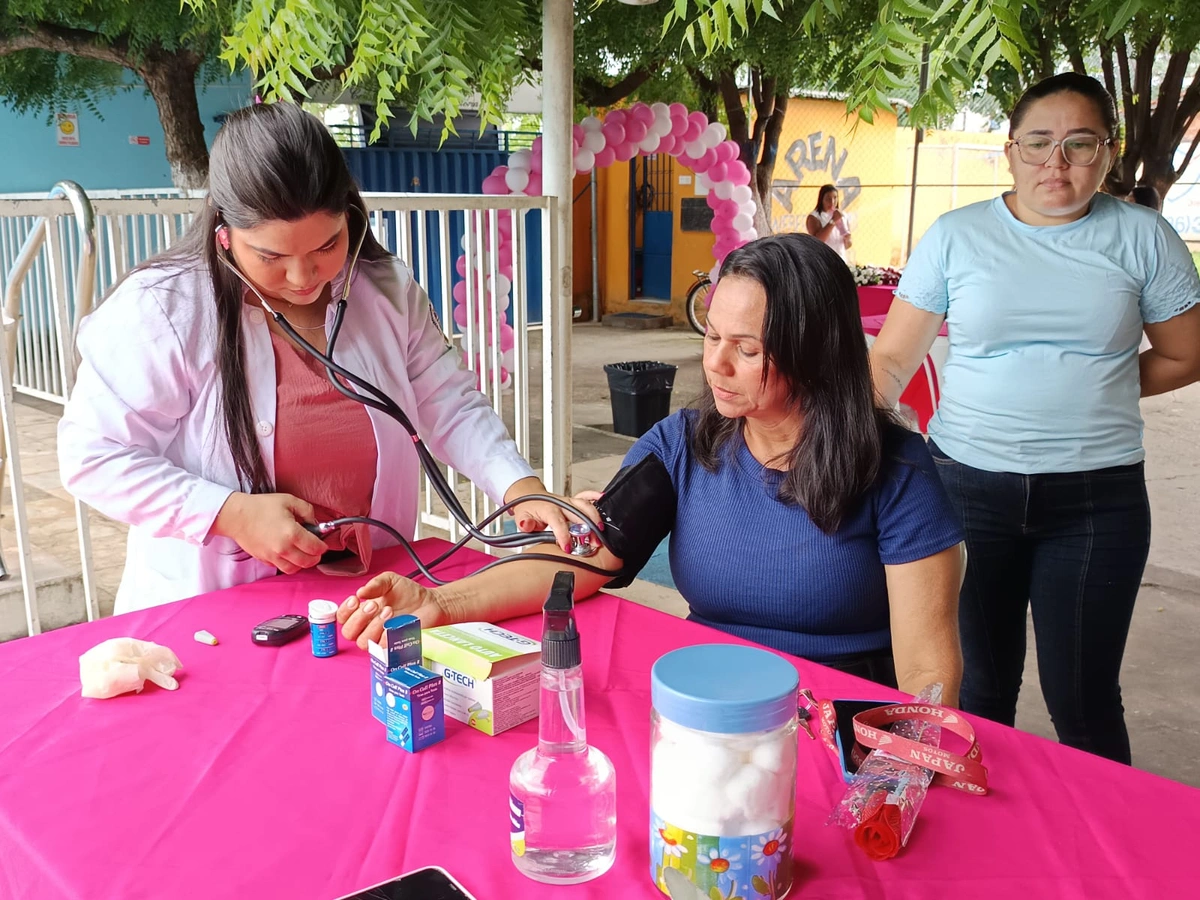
(417,227)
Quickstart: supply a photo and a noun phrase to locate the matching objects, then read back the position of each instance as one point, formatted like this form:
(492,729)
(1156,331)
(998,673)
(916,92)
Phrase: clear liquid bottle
(563,793)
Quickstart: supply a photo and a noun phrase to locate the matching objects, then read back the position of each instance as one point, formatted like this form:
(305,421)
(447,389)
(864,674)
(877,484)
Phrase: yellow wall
(819,145)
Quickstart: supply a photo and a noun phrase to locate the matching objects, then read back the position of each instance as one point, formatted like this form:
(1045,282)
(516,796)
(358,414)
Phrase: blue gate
(658,225)
(447,171)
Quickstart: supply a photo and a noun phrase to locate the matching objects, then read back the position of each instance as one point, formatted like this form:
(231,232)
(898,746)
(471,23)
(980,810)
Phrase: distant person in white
(828,223)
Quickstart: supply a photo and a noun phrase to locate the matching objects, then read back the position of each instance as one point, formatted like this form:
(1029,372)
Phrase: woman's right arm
(813,225)
(133,391)
(902,344)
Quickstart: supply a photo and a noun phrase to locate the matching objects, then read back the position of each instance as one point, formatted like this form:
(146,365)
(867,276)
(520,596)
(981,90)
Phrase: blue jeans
(1072,546)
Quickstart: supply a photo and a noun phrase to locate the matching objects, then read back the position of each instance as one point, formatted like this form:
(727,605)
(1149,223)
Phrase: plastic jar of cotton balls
(723,770)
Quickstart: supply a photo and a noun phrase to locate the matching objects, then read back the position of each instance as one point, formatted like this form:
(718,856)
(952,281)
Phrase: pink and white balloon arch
(623,134)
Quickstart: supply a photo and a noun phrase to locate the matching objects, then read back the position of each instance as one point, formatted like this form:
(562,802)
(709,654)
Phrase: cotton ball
(713,763)
(749,790)
(770,755)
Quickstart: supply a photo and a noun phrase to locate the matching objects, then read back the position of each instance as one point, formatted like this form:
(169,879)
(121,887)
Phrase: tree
(53,51)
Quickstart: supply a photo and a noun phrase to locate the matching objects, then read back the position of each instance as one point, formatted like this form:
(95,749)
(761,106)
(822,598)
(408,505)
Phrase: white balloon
(751,235)
(503,285)
(591,123)
(741,194)
(662,123)
(660,109)
(702,181)
(742,222)
(650,143)
(594,141)
(585,160)
(720,131)
(747,208)
(520,159)
(695,149)
(517,179)
(502,303)
(723,190)
(508,359)
(711,137)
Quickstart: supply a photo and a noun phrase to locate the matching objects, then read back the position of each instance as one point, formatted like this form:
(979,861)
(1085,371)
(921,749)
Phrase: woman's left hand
(538,515)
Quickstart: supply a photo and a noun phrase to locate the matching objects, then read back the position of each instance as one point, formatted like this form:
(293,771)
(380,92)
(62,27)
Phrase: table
(264,776)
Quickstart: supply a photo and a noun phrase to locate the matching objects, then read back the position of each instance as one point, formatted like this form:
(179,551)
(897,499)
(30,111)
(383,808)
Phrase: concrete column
(558,170)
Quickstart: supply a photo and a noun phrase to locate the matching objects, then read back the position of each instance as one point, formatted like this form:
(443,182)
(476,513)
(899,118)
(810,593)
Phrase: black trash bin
(641,395)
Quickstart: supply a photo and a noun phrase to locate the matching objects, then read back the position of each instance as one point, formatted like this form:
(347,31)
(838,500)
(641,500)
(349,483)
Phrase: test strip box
(406,697)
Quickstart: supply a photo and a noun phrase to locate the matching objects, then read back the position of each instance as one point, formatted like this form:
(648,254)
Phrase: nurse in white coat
(197,420)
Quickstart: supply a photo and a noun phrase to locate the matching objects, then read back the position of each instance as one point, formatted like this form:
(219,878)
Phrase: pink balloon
(534,188)
(738,174)
(678,109)
(709,160)
(617,117)
(679,125)
(698,118)
(677,142)
(635,132)
(504,225)
(712,200)
(614,133)
(625,152)
(535,161)
(605,157)
(642,113)
(727,151)
(494,185)
(717,172)
(460,315)
(460,292)
(536,146)
(578,133)
(505,268)
(506,338)
(460,266)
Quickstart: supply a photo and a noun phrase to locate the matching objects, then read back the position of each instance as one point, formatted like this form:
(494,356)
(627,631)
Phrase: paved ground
(1162,667)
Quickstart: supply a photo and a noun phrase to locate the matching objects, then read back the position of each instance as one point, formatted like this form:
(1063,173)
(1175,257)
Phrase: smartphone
(430,883)
(849,751)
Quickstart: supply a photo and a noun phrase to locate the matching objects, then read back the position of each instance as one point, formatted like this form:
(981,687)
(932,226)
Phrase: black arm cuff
(638,509)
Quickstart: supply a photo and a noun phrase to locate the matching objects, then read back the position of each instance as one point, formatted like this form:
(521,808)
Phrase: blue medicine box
(415,716)
(400,645)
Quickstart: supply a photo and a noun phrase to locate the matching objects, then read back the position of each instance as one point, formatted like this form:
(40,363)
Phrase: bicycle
(697,301)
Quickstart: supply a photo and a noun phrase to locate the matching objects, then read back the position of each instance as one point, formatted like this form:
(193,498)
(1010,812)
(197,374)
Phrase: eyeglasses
(1077,150)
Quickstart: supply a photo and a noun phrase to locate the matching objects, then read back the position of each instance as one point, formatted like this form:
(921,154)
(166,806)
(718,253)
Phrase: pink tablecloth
(264,776)
(875,299)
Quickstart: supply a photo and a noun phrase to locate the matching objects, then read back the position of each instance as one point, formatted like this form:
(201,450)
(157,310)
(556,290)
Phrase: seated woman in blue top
(802,516)
(1047,291)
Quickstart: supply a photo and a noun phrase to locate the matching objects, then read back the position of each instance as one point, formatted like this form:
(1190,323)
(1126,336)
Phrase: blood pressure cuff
(638,509)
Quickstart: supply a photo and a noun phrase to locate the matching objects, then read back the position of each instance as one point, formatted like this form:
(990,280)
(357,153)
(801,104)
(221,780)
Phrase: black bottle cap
(560,637)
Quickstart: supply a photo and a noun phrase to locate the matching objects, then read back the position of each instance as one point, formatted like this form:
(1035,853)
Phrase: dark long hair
(269,162)
(821,194)
(813,337)
(1073,82)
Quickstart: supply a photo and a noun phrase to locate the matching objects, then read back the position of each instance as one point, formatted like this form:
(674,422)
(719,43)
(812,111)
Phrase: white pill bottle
(723,771)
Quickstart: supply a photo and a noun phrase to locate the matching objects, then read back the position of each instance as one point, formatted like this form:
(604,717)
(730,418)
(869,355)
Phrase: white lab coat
(143,441)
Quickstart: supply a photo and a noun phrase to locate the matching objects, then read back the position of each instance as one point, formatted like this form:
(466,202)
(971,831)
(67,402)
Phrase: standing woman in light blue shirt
(1046,292)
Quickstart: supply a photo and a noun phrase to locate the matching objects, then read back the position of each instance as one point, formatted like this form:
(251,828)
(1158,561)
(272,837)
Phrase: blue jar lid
(724,688)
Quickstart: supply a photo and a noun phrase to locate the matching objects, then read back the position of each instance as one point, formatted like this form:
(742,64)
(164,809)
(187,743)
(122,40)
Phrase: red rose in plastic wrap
(878,834)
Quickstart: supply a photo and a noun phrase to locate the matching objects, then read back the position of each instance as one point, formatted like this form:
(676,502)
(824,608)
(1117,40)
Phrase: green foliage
(429,55)
(101,37)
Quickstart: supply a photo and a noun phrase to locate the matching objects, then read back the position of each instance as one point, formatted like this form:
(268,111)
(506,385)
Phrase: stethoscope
(586,537)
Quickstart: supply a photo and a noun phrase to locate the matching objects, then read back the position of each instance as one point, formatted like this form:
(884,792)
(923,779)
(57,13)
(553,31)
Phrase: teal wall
(31,160)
